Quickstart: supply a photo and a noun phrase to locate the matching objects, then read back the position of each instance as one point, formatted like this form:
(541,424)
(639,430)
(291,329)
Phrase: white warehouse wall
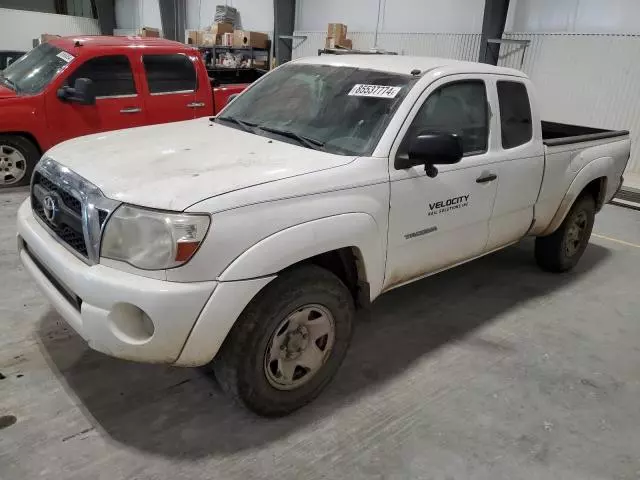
(18,28)
(131,15)
(415,16)
(574,16)
(581,61)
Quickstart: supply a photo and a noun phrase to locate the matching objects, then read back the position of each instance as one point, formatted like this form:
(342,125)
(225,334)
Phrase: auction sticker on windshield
(66,56)
(377,91)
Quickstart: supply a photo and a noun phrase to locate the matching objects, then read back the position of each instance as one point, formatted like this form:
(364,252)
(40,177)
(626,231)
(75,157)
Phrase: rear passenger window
(169,73)
(111,75)
(515,114)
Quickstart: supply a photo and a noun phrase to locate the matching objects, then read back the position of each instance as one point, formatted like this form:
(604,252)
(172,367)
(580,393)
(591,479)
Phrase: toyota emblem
(50,207)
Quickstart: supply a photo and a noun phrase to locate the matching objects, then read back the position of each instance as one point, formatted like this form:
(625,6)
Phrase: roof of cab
(97,42)
(405,64)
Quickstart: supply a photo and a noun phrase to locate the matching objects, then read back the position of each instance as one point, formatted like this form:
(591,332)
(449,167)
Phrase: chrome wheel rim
(299,347)
(575,233)
(13,165)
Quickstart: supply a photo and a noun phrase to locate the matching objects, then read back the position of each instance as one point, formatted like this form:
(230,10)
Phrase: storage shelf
(229,47)
(210,54)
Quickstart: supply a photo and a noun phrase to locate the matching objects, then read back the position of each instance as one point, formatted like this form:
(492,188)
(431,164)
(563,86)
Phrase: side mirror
(430,149)
(231,98)
(82,92)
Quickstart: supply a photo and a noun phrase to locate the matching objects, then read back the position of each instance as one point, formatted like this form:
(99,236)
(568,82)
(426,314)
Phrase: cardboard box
(149,32)
(261,64)
(221,28)
(208,39)
(226,39)
(332,43)
(337,31)
(192,37)
(45,37)
(244,38)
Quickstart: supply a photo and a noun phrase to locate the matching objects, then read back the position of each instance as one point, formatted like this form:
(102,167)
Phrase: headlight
(152,240)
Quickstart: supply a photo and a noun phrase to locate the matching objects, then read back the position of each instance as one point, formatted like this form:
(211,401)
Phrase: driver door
(437,222)
(119,103)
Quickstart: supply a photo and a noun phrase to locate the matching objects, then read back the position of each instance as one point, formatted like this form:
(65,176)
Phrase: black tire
(30,153)
(554,253)
(240,364)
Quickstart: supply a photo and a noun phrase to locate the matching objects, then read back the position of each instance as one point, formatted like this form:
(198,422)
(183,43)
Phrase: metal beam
(105,12)
(173,15)
(493,22)
(284,14)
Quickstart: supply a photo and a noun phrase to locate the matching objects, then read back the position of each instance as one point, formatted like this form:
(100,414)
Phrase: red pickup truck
(74,86)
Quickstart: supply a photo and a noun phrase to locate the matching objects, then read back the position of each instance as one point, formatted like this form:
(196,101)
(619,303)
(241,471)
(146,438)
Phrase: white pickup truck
(250,239)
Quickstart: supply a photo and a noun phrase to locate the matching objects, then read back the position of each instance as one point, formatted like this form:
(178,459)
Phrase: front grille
(72,208)
(102,217)
(67,224)
(69,200)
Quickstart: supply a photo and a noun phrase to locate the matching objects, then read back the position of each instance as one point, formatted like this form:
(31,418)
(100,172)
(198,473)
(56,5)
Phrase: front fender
(25,115)
(300,242)
(598,168)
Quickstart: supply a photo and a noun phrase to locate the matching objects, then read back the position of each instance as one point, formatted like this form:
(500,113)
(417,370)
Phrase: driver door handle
(490,177)
(131,110)
(195,105)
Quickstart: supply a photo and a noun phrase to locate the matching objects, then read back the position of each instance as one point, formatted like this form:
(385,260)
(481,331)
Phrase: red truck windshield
(342,110)
(33,71)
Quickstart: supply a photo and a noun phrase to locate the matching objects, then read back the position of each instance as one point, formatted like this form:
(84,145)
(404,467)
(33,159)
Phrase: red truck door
(171,85)
(119,103)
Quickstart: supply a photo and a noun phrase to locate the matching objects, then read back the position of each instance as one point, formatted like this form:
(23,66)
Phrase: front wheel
(561,250)
(18,156)
(288,343)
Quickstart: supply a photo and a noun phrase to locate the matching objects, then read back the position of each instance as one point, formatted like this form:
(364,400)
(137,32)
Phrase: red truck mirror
(82,92)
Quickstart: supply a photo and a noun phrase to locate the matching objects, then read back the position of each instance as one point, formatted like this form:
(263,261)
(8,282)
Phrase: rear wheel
(561,250)
(288,343)
(18,156)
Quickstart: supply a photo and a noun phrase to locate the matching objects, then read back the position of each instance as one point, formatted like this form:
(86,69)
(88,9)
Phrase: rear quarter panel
(569,169)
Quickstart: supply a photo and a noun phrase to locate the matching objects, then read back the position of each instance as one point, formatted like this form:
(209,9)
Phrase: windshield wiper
(306,141)
(247,126)
(9,82)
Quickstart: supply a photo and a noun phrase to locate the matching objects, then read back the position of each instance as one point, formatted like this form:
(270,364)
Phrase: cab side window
(173,73)
(515,114)
(459,108)
(111,75)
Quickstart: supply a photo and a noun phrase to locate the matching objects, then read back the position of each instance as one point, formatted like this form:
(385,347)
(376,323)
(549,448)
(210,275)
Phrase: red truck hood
(6,92)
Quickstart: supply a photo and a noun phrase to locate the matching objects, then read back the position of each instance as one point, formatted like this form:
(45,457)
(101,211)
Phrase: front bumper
(117,313)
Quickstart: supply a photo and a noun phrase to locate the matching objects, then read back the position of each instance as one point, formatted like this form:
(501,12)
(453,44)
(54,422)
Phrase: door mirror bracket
(430,170)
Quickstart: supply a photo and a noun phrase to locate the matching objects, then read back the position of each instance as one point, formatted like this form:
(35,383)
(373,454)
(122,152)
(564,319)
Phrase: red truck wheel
(18,156)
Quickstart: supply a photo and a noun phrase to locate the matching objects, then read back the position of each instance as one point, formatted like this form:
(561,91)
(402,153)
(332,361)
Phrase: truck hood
(6,92)
(173,166)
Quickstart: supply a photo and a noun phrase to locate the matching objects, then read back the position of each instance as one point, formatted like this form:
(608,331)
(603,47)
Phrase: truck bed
(562,133)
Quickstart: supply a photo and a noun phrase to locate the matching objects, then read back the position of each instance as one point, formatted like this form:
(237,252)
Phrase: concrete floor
(494,370)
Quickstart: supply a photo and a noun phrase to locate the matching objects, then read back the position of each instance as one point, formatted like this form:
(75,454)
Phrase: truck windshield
(33,71)
(341,110)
